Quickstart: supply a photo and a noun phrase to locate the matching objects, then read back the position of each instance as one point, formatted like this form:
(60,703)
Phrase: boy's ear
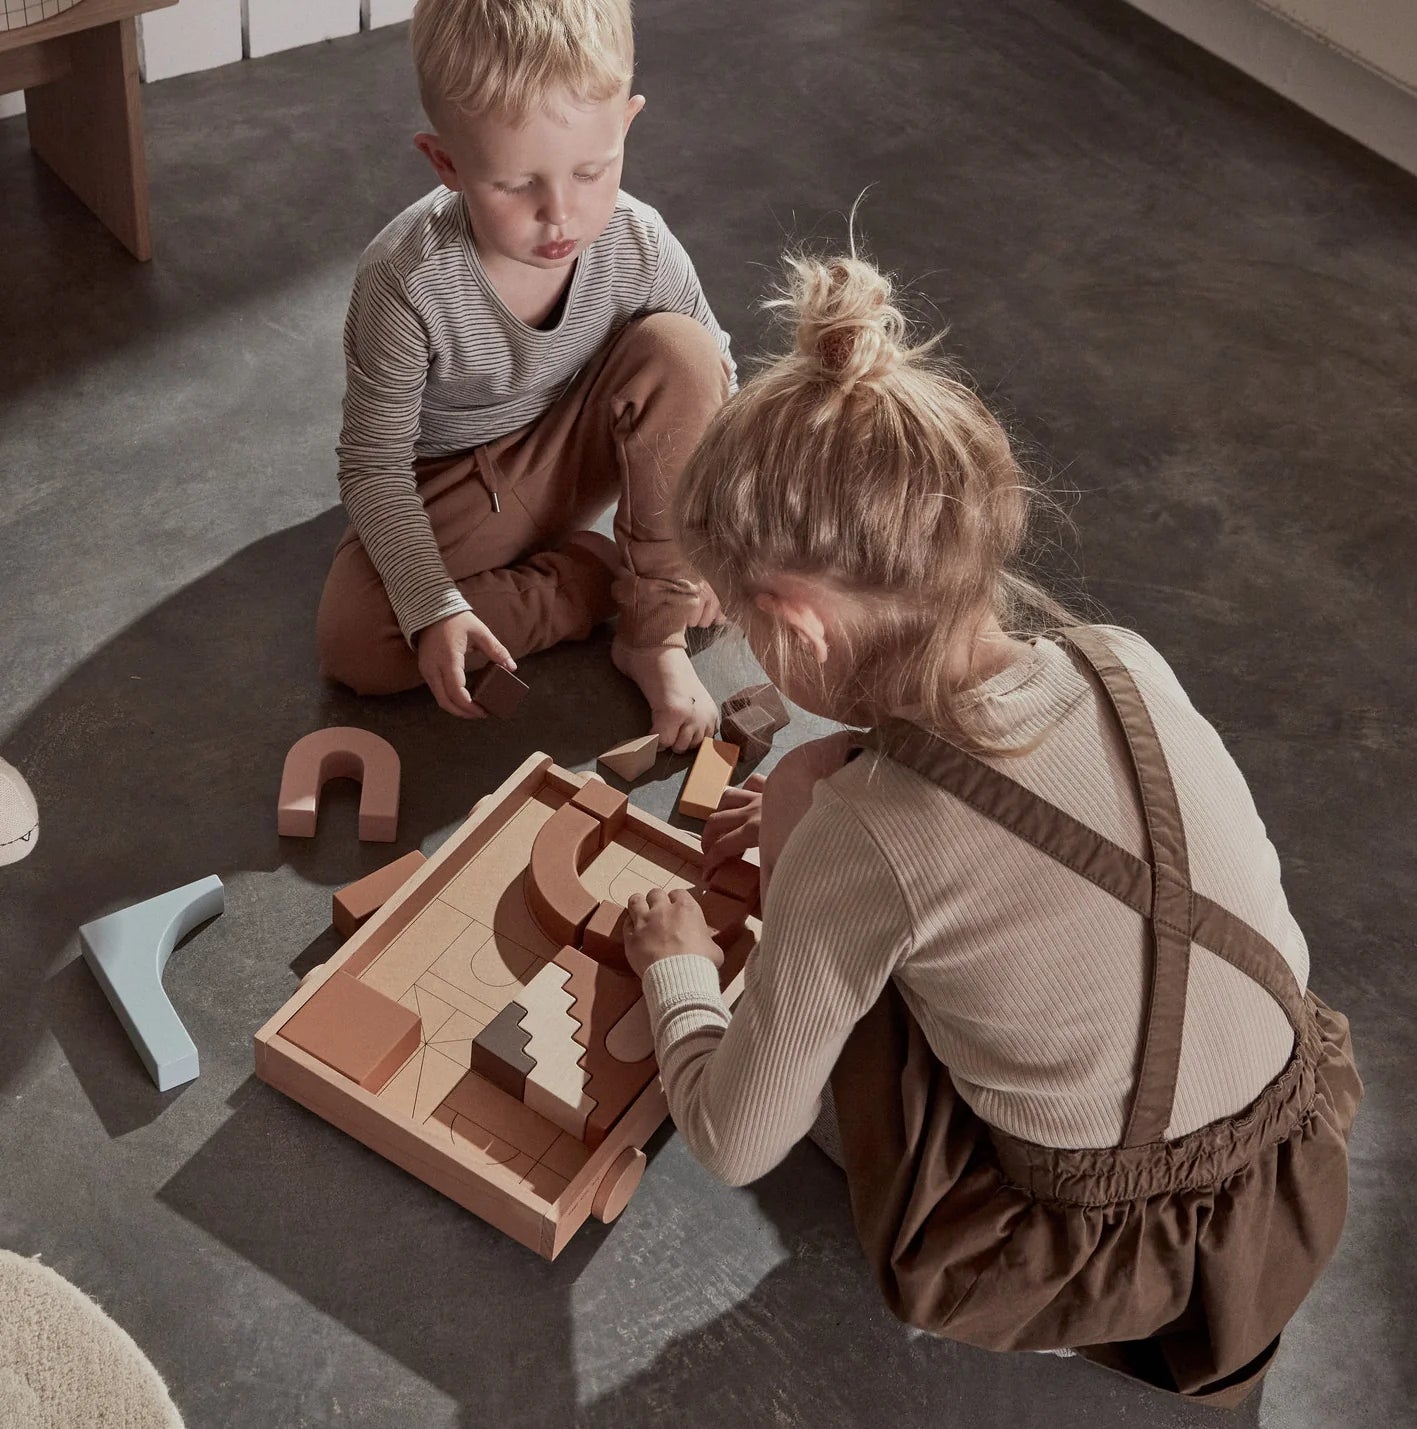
(633,105)
(431,147)
(801,617)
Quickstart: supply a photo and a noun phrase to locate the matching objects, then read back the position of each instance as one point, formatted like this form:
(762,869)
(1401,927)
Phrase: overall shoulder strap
(1171,896)
(1159,890)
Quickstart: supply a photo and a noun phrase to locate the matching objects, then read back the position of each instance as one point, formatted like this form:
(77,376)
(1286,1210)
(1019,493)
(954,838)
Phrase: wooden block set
(750,719)
(481,1028)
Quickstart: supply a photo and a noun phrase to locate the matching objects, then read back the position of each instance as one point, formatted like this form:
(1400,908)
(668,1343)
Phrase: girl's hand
(442,660)
(664,925)
(735,828)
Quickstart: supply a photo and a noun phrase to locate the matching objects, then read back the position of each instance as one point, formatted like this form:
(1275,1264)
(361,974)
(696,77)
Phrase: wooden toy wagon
(483,1031)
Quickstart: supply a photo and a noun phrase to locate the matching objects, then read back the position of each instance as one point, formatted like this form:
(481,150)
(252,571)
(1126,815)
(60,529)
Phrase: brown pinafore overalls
(1175,1262)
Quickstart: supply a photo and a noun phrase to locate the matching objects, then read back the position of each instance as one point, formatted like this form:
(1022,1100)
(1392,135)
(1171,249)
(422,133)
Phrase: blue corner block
(128,952)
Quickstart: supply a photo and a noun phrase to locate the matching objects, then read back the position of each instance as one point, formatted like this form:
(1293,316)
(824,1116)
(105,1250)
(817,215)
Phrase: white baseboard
(385,12)
(197,34)
(1377,110)
(273,25)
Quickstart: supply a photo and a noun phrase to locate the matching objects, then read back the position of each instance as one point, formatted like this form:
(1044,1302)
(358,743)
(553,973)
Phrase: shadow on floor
(761,1361)
(406,1270)
(157,761)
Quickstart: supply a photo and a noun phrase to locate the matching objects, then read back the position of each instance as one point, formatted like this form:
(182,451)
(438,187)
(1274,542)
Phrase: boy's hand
(663,925)
(735,828)
(442,660)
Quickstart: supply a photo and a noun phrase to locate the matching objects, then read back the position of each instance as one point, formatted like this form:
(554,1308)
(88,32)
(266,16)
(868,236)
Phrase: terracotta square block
(357,1030)
(607,805)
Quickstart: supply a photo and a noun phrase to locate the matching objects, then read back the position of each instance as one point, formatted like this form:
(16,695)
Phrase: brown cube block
(724,915)
(498,691)
(738,879)
(355,1029)
(361,900)
(751,729)
(607,805)
(763,697)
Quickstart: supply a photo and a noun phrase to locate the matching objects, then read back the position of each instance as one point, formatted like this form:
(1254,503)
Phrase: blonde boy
(525,346)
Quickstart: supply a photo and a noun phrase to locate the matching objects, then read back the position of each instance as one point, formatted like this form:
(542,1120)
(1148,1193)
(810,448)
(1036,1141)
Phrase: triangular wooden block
(633,758)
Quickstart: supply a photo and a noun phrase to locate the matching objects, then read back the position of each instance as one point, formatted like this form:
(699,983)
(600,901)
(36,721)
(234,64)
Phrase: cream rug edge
(64,1363)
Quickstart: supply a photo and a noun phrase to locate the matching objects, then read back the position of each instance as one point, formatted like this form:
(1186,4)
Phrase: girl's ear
(431,147)
(633,105)
(801,615)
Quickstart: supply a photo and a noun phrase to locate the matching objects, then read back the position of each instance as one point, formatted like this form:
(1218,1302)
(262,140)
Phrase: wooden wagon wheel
(618,1184)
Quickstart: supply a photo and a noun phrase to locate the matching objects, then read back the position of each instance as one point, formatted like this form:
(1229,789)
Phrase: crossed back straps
(1159,888)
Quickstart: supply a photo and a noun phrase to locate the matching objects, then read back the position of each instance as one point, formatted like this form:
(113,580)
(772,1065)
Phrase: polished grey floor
(1198,309)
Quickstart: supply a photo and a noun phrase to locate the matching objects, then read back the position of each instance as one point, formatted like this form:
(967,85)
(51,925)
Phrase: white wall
(1352,64)
(194,34)
(273,25)
(1381,34)
(386,12)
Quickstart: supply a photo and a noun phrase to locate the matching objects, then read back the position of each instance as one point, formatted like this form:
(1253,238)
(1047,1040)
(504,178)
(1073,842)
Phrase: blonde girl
(1027,931)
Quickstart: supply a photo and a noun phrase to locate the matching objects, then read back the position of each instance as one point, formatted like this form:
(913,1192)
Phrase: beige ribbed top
(1028,980)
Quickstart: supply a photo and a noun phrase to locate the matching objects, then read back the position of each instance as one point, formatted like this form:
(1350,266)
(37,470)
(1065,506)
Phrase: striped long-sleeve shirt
(1029,982)
(436,363)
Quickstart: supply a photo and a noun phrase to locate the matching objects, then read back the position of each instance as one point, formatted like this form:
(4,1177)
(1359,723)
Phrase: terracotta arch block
(341,752)
(559,901)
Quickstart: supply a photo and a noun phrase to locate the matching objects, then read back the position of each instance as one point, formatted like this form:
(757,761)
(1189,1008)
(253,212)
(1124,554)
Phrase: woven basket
(16,14)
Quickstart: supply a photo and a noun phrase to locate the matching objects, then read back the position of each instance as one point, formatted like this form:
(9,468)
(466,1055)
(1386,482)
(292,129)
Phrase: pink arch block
(341,752)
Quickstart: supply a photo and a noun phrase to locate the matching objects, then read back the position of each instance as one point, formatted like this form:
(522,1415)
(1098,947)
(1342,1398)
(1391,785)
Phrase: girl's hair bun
(848,330)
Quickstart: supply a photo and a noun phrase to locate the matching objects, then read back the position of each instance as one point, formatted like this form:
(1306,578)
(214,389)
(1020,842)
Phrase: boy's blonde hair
(860,461)
(504,57)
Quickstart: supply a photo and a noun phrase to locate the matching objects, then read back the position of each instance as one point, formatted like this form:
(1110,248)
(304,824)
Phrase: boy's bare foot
(710,612)
(683,713)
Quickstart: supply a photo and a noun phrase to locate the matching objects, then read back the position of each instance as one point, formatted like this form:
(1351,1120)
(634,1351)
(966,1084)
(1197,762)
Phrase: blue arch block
(128,952)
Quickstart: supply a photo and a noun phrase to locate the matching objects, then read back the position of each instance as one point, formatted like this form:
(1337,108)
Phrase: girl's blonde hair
(863,462)
(504,57)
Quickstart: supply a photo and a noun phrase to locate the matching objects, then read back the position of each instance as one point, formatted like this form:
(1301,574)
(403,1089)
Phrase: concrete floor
(1198,308)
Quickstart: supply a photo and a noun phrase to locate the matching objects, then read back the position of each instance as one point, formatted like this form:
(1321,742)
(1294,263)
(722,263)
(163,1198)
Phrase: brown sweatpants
(623,429)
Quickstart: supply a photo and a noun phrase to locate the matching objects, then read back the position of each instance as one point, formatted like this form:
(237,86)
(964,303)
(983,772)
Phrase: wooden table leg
(88,127)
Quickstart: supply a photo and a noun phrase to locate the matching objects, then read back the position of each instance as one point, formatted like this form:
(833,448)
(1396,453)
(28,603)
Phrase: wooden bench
(79,72)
